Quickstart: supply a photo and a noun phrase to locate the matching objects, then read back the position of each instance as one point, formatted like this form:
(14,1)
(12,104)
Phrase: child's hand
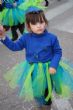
(52,70)
(2,32)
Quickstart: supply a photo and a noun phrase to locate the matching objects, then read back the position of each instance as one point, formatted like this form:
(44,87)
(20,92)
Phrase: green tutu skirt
(33,78)
(14,16)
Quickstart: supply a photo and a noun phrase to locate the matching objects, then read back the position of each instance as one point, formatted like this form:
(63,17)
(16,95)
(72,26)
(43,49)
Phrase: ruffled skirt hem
(34,78)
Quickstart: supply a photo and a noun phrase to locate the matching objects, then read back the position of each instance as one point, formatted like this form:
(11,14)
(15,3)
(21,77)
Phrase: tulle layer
(33,79)
(0,17)
(10,17)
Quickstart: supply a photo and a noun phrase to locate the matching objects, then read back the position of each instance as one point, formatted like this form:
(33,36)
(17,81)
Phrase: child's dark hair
(35,16)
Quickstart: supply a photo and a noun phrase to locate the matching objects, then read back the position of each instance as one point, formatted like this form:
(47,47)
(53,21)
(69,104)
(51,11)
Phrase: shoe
(47,3)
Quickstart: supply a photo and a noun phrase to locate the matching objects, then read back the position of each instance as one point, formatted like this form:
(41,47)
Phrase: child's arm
(14,46)
(2,32)
(57,51)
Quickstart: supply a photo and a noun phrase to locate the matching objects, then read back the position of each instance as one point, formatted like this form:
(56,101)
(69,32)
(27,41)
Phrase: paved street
(60,17)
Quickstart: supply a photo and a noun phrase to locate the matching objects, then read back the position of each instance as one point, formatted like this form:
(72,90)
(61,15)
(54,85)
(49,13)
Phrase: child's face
(38,28)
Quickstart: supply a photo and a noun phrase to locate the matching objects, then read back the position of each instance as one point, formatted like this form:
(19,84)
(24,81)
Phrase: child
(41,72)
(11,18)
(13,15)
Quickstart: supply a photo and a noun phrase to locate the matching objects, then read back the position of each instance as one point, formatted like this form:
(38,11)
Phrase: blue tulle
(34,78)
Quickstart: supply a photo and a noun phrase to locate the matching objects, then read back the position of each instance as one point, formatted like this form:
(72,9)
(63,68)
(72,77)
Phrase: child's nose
(38,24)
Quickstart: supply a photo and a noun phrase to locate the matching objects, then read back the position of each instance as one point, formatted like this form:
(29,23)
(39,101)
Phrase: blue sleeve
(15,46)
(57,54)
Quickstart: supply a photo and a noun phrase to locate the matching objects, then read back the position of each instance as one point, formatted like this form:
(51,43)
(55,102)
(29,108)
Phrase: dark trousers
(1,8)
(46,2)
(49,102)
(14,30)
(20,27)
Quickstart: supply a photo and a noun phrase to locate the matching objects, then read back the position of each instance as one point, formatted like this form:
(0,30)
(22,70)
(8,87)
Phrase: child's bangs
(37,18)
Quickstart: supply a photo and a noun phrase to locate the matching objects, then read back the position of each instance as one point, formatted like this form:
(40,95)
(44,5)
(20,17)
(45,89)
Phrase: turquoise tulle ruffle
(10,17)
(33,79)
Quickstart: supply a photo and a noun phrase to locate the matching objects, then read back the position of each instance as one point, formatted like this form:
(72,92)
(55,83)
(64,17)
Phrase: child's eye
(42,22)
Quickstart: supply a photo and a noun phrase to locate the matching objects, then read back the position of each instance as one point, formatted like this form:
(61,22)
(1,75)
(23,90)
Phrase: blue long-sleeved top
(39,48)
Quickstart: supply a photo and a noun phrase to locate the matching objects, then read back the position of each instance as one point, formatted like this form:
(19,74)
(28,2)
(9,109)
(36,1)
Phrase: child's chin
(40,32)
